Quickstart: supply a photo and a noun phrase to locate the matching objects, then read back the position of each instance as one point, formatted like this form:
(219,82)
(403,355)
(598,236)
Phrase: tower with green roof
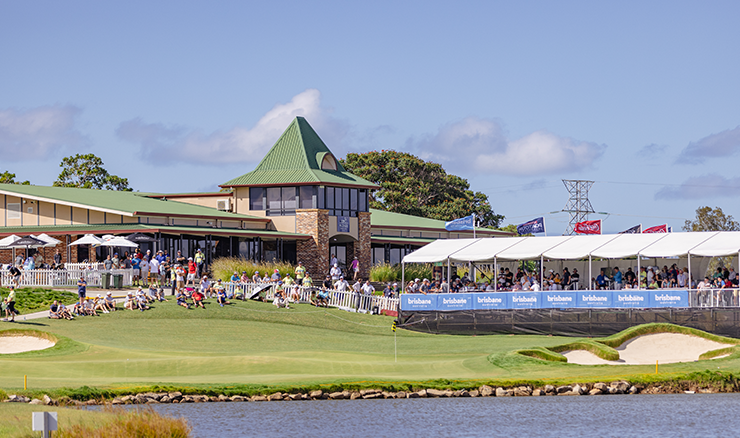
(303,188)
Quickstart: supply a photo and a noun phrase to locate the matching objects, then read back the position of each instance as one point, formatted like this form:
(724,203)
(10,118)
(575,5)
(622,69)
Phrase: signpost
(45,422)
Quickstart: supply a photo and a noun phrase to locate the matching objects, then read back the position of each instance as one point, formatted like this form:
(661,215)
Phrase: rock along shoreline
(585,389)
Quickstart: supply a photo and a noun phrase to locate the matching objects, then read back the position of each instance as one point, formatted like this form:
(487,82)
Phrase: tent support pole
(495,273)
(542,272)
(449,274)
(639,274)
(403,278)
(589,272)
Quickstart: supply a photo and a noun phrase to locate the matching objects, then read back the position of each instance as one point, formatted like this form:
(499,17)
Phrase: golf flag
(637,229)
(462,224)
(532,227)
(657,229)
(588,227)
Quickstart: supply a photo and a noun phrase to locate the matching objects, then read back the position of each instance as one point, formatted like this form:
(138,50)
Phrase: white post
(403,278)
(495,274)
(639,274)
(542,272)
(589,272)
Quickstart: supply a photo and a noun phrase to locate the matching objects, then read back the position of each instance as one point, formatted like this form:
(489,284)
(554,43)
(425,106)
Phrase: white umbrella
(48,240)
(120,242)
(88,239)
(8,240)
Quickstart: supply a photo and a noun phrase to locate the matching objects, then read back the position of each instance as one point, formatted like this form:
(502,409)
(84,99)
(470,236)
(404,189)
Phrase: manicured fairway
(255,343)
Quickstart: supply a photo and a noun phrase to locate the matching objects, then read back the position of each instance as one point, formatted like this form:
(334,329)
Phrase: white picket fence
(346,300)
(88,266)
(64,278)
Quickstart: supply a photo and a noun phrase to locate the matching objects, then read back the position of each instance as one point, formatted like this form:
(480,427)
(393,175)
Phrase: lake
(671,415)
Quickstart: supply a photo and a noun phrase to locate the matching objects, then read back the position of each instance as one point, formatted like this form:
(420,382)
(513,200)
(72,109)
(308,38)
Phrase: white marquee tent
(606,246)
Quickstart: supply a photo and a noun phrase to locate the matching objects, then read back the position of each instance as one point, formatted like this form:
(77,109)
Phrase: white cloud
(482,145)
(37,133)
(652,150)
(177,143)
(702,187)
(722,144)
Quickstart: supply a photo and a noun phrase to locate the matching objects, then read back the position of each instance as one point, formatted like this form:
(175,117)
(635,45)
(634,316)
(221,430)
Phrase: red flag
(588,227)
(657,229)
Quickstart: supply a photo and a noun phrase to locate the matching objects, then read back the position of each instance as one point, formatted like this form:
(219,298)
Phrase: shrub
(143,423)
(224,267)
(384,273)
(32,300)
(3,395)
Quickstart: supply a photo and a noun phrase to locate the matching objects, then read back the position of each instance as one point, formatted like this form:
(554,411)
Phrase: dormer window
(328,162)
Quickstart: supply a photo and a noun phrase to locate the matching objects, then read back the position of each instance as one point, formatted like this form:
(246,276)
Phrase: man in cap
(335,272)
(256,277)
(341,285)
(110,303)
(300,272)
(200,259)
(275,275)
(192,270)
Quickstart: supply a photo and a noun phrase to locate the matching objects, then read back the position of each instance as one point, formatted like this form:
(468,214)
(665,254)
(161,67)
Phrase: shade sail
(485,249)
(579,247)
(676,244)
(724,243)
(532,248)
(438,251)
(626,245)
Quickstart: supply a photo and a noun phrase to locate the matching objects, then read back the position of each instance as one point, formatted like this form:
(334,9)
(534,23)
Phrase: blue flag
(462,224)
(532,227)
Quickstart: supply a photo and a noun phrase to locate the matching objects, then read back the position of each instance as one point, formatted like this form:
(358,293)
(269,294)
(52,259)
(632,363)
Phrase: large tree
(9,178)
(86,171)
(708,219)
(413,186)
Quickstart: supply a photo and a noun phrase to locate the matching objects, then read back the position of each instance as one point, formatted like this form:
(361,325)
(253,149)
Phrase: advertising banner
(532,227)
(631,298)
(669,298)
(595,298)
(588,227)
(448,302)
(462,224)
(558,299)
(490,301)
(524,300)
(412,302)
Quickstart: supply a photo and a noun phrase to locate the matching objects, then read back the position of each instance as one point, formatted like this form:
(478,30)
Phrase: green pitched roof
(296,159)
(127,203)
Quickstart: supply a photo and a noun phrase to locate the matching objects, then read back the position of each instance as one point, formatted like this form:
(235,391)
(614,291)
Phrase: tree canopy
(9,178)
(410,185)
(708,219)
(86,171)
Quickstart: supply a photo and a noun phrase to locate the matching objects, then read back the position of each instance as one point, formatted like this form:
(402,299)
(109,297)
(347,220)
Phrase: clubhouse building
(298,204)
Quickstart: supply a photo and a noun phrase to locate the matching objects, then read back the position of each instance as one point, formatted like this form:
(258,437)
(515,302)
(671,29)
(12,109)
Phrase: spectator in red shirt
(192,271)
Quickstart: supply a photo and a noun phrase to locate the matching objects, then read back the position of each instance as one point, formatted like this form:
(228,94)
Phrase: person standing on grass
(57,258)
(300,272)
(355,268)
(16,274)
(200,259)
(10,310)
(154,272)
(81,288)
(144,267)
(335,272)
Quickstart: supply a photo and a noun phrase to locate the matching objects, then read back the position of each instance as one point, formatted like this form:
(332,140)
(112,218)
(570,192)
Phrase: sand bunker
(20,344)
(646,349)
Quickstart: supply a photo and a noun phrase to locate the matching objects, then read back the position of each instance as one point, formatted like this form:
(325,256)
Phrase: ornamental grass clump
(225,267)
(143,423)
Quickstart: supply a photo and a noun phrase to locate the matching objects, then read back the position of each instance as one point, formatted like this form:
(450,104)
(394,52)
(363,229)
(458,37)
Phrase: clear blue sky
(642,97)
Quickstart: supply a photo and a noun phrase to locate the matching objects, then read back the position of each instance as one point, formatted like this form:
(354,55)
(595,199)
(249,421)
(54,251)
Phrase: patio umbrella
(7,240)
(50,240)
(118,241)
(88,239)
(140,237)
(27,242)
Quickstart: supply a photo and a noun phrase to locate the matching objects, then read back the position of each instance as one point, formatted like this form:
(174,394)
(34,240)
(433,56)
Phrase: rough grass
(544,354)
(15,421)
(620,338)
(28,300)
(731,351)
(603,351)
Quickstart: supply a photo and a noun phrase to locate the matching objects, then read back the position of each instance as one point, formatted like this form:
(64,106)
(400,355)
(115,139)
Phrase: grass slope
(251,345)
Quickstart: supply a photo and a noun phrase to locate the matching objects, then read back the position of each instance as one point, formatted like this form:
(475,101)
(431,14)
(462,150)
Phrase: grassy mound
(620,338)
(729,351)
(603,351)
(543,353)
(62,344)
(28,300)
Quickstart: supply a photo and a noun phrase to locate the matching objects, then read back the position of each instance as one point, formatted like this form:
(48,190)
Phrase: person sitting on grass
(130,302)
(295,294)
(312,299)
(141,300)
(205,287)
(54,311)
(160,295)
(280,297)
(322,299)
(182,300)
(65,312)
(110,303)
(198,299)
(99,304)
(221,295)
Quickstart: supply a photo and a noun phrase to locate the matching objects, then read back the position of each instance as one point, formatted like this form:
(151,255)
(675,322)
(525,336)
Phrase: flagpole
(473,226)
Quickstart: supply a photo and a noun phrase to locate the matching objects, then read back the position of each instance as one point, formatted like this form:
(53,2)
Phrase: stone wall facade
(363,247)
(314,252)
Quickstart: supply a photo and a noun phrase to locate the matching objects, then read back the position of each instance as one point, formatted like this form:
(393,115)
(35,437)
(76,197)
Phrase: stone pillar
(314,252)
(363,248)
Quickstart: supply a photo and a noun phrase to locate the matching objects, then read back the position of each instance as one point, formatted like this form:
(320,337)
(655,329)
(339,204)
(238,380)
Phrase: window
(363,200)
(14,211)
(289,198)
(321,198)
(330,199)
(274,201)
(308,196)
(353,199)
(328,163)
(256,198)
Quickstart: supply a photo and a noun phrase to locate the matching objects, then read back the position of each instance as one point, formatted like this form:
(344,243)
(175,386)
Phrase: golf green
(253,343)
